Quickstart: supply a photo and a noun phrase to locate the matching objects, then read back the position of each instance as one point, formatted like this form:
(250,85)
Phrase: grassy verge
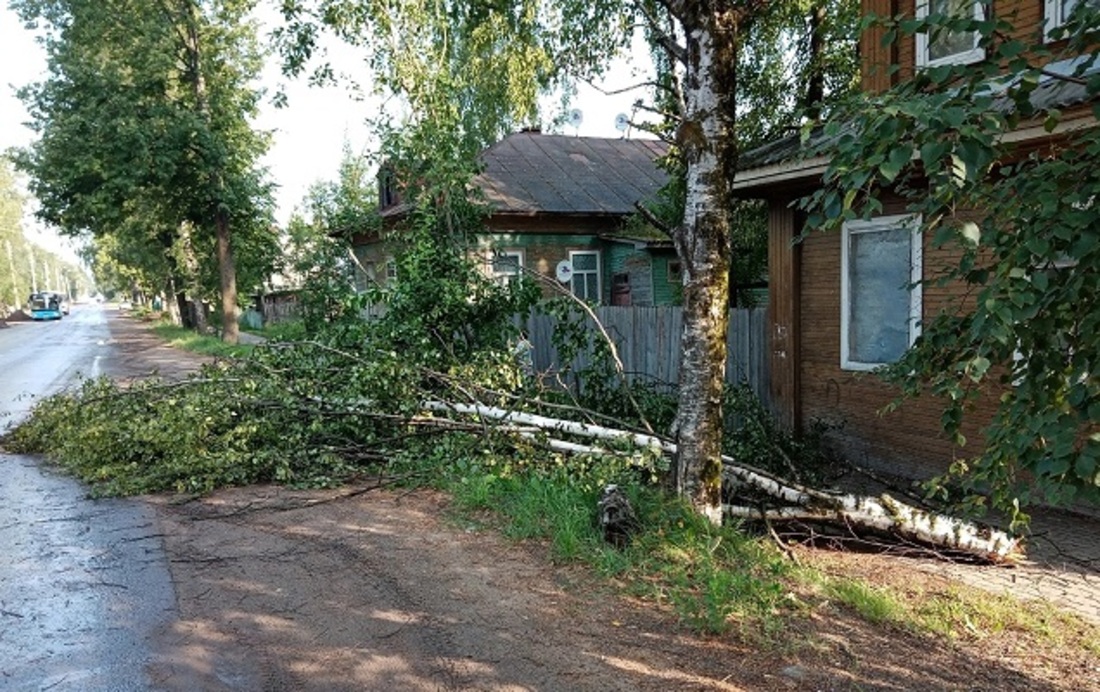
(719,580)
(188,340)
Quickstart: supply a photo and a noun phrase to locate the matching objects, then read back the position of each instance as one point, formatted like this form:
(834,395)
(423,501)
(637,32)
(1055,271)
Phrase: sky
(309,134)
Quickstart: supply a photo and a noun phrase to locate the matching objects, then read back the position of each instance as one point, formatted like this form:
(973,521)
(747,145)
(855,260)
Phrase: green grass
(188,340)
(290,330)
(876,605)
(714,578)
(719,580)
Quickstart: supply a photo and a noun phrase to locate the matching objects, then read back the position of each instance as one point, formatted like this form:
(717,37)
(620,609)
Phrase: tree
(467,72)
(14,282)
(1023,222)
(143,126)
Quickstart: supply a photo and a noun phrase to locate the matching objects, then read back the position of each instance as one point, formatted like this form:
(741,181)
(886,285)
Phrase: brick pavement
(1062,565)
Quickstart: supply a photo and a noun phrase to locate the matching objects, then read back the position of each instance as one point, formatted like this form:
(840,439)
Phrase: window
(943,47)
(585,281)
(675,272)
(391,271)
(387,188)
(507,266)
(362,269)
(1057,272)
(1057,12)
(879,290)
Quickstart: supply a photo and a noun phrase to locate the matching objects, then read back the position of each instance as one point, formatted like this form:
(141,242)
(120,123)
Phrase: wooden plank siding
(1025,15)
(875,58)
(910,441)
(784,268)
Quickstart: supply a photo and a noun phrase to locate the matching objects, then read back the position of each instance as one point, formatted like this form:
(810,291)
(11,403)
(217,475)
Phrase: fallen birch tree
(789,501)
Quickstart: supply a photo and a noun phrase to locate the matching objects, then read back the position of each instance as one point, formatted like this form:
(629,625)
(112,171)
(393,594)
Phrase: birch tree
(478,69)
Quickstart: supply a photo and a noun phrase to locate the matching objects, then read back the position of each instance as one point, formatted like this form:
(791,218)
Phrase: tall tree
(146,109)
(15,281)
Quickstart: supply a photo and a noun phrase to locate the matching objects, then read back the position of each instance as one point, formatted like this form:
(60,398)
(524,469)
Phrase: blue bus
(46,305)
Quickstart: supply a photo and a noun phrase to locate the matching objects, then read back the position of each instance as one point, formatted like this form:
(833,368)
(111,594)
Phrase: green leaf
(977,367)
(958,170)
(895,162)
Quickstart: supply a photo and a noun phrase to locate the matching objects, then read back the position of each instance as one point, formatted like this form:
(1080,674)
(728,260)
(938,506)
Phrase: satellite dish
(564,271)
(576,117)
(622,121)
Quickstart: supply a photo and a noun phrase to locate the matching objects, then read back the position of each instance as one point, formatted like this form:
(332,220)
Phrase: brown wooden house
(838,305)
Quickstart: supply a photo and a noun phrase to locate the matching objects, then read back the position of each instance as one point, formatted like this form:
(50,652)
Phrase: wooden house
(561,201)
(838,302)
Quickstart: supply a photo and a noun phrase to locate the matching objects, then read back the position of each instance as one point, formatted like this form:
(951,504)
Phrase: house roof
(532,173)
(783,160)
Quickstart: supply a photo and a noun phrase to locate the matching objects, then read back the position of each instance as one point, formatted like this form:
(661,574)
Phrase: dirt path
(366,589)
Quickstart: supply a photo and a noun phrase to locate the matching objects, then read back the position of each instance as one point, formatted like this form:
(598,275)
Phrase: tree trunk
(171,302)
(707,139)
(227,273)
(193,309)
(815,81)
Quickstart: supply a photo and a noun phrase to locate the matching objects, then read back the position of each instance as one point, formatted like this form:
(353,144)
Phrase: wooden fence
(648,342)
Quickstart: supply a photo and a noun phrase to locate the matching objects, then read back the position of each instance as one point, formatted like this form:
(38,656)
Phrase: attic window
(1057,12)
(944,47)
(387,189)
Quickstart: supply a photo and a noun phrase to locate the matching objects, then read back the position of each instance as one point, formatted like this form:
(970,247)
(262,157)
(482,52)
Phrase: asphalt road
(83,583)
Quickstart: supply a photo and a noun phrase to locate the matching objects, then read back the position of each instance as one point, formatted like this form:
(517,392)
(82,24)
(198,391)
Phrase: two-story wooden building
(844,303)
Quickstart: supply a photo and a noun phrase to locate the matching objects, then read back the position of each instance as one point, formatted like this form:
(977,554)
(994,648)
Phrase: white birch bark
(883,514)
(702,244)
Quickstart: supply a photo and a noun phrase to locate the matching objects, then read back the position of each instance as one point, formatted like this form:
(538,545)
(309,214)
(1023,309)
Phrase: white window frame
(506,277)
(916,257)
(391,271)
(1059,264)
(966,57)
(1053,16)
(598,271)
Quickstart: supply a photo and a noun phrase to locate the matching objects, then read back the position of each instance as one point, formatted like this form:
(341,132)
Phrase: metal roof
(533,173)
(1052,92)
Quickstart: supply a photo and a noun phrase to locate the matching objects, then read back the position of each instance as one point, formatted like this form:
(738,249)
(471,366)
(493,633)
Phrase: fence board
(648,342)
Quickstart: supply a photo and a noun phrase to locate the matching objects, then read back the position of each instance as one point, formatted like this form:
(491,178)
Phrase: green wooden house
(560,206)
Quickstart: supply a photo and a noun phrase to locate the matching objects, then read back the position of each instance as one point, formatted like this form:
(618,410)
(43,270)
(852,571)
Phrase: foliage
(317,260)
(22,264)
(144,130)
(753,437)
(1022,335)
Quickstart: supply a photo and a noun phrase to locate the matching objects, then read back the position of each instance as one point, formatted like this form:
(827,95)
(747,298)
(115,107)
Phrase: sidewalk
(1061,565)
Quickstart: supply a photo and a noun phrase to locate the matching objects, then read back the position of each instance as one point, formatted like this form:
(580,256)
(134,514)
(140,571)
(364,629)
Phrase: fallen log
(882,514)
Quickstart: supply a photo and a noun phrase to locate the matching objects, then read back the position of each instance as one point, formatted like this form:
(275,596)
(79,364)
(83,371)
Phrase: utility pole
(15,302)
(34,276)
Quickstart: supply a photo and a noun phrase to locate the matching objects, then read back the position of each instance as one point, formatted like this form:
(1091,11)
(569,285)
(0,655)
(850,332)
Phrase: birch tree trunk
(706,138)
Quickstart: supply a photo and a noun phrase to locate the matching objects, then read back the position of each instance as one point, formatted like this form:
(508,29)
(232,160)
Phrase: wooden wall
(907,442)
(1025,15)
